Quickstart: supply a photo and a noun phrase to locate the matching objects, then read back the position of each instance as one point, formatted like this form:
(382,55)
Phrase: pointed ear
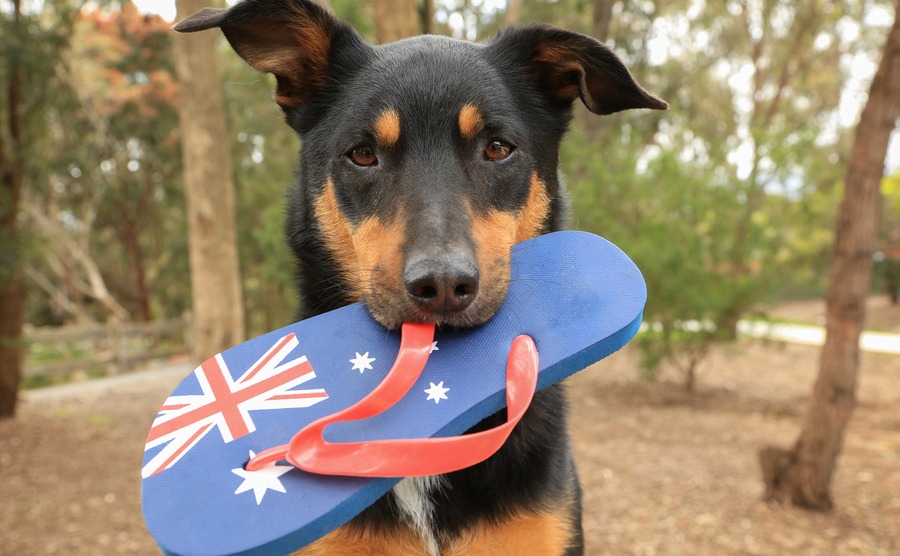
(292,39)
(567,65)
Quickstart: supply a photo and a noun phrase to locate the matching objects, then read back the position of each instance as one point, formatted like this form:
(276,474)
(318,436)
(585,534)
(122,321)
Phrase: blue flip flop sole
(577,295)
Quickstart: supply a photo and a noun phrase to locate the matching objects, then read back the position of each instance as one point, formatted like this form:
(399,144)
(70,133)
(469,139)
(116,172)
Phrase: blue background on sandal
(576,294)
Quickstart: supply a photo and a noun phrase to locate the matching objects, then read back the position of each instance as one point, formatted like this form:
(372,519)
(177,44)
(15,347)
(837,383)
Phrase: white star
(262,480)
(434,347)
(437,392)
(362,362)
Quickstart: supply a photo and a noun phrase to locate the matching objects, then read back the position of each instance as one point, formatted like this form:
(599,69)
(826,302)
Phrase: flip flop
(577,296)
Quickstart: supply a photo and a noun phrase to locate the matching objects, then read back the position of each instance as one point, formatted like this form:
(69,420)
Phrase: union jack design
(226,403)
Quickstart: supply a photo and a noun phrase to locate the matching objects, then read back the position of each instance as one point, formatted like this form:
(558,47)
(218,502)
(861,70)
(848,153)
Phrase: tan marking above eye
(387,128)
(471,121)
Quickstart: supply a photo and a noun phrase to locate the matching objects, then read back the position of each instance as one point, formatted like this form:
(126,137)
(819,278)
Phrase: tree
(703,197)
(888,260)
(32,44)
(601,19)
(395,20)
(12,176)
(802,475)
(218,309)
(112,163)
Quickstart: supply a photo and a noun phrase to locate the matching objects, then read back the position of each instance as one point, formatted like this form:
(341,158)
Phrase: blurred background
(728,203)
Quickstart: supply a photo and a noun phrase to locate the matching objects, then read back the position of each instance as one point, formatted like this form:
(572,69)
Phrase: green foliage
(727,199)
(108,207)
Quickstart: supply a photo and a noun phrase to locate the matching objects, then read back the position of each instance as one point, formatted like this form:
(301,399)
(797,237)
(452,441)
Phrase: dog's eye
(363,155)
(498,150)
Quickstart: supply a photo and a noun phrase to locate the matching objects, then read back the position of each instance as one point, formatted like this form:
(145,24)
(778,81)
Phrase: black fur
(332,86)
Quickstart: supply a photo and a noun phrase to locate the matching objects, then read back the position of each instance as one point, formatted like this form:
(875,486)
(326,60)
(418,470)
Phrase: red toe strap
(309,451)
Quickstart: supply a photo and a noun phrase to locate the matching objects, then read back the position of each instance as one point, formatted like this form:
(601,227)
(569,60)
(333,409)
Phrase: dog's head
(423,160)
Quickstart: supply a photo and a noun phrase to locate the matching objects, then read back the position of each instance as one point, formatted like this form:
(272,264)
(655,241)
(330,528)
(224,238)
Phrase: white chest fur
(413,497)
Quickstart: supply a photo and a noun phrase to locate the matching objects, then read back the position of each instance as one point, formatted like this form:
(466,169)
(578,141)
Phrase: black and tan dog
(423,162)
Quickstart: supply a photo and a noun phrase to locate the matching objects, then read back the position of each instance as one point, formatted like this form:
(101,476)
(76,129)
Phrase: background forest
(732,191)
(726,201)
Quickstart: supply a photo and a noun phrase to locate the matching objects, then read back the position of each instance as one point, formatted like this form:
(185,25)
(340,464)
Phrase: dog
(423,161)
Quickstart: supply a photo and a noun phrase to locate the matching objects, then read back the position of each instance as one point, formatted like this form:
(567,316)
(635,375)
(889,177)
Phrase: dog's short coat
(423,162)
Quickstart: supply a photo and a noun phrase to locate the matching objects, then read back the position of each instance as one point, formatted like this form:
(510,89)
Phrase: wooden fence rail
(113,347)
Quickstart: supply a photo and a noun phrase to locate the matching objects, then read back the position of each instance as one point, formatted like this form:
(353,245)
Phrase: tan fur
(471,121)
(533,215)
(494,234)
(346,541)
(365,253)
(338,235)
(524,534)
(387,128)
(379,249)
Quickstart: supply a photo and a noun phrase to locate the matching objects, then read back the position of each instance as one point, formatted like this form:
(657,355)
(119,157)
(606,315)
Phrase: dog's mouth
(463,301)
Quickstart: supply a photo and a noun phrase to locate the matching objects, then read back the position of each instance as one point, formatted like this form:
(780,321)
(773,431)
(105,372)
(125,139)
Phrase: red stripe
(225,401)
(299,395)
(258,367)
(228,401)
(184,447)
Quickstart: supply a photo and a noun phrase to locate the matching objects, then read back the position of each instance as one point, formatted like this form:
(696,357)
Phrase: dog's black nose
(441,287)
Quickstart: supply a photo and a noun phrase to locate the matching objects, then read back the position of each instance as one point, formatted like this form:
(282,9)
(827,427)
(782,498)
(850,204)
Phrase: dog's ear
(568,65)
(292,39)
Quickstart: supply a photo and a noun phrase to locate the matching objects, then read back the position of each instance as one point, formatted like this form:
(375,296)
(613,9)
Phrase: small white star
(434,347)
(437,392)
(262,480)
(362,362)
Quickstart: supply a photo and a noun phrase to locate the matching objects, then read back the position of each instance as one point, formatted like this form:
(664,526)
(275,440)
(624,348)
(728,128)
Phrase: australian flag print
(578,296)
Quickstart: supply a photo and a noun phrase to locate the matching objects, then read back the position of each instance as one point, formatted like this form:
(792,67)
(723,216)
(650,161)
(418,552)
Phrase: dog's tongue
(309,450)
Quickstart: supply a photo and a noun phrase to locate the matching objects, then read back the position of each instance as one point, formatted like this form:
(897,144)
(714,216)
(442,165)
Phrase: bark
(395,20)
(802,476)
(218,312)
(427,15)
(601,19)
(132,243)
(12,174)
(513,13)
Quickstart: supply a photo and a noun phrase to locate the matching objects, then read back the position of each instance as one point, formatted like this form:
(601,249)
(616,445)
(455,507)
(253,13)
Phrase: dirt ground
(663,472)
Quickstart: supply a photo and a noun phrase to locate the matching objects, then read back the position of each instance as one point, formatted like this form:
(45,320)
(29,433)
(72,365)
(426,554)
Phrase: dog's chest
(414,500)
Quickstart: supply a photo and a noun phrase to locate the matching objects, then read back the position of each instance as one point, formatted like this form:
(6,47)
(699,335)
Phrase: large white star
(362,362)
(262,480)
(433,348)
(437,392)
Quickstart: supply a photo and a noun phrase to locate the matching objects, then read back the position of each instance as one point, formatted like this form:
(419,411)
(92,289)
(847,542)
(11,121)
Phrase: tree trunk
(602,16)
(395,20)
(513,13)
(12,175)
(132,243)
(427,16)
(802,475)
(218,311)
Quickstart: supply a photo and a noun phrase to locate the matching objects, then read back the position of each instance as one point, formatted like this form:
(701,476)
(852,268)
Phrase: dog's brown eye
(363,155)
(498,150)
